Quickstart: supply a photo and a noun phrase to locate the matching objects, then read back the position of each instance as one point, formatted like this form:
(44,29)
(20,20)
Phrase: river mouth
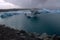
(43,23)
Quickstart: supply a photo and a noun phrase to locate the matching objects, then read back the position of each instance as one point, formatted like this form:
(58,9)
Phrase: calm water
(44,23)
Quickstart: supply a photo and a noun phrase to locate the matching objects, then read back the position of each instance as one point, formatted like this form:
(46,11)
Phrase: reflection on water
(49,23)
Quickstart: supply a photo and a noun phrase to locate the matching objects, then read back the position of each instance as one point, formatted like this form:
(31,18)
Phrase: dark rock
(22,31)
(7,33)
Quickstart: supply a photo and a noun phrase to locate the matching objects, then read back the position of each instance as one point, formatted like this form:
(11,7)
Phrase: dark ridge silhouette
(6,10)
(7,33)
(17,9)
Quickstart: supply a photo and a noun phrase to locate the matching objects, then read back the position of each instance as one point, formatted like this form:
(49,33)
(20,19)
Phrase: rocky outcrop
(7,33)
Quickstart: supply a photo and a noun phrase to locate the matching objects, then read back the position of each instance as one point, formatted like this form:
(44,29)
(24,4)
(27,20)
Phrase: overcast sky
(7,5)
(29,3)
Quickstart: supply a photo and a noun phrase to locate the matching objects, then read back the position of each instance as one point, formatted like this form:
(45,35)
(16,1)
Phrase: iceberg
(55,11)
(49,11)
(45,11)
(5,15)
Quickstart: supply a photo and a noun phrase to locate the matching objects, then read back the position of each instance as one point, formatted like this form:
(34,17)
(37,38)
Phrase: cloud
(36,3)
(2,1)
(53,4)
(27,3)
(7,5)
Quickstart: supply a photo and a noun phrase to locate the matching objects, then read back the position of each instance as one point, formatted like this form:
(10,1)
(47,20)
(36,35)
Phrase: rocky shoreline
(7,33)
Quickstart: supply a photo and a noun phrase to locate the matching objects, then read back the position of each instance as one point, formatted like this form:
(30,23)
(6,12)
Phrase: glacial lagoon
(44,23)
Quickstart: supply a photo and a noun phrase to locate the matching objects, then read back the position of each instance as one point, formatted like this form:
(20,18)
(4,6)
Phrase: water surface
(43,23)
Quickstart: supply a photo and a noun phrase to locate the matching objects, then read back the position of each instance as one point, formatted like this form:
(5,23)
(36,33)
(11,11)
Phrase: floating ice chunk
(49,11)
(5,15)
(55,11)
(45,11)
